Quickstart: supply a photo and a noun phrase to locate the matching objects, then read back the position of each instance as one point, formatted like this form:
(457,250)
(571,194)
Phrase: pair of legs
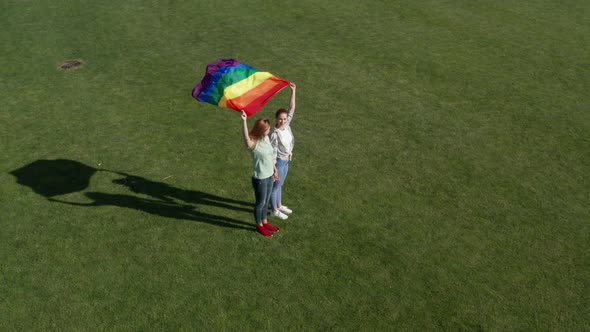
(276,194)
(262,191)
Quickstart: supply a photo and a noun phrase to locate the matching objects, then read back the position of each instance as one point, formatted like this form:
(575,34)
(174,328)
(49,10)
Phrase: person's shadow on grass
(167,193)
(51,178)
(161,208)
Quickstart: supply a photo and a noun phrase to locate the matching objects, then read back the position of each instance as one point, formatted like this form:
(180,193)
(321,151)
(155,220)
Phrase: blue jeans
(282,170)
(262,190)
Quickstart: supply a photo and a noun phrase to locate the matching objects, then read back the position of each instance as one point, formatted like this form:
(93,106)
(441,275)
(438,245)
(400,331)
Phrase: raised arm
(249,143)
(292,102)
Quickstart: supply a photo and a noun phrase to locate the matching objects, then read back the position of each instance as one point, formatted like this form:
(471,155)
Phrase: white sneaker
(279,215)
(285,209)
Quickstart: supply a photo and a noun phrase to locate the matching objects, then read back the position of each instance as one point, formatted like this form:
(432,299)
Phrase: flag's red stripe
(253,100)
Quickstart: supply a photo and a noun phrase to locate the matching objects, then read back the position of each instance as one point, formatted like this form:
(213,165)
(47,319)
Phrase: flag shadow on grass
(51,178)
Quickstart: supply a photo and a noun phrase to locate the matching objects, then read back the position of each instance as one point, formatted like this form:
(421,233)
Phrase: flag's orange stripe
(242,101)
(260,100)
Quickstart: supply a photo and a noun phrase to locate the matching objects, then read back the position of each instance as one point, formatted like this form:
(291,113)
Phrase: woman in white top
(282,141)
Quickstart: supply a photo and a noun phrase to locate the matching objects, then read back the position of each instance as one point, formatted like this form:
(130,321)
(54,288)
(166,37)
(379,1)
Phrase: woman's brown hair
(281,111)
(259,129)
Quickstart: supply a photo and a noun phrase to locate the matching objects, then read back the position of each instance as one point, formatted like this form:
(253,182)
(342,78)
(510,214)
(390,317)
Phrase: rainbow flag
(231,84)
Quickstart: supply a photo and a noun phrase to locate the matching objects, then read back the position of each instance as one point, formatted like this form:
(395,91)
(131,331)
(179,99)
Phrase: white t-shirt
(282,140)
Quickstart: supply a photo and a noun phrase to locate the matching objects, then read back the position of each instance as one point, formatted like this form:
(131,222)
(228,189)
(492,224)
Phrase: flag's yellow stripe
(245,85)
(270,85)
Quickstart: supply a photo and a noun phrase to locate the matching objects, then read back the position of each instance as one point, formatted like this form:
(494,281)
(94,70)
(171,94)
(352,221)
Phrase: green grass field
(439,182)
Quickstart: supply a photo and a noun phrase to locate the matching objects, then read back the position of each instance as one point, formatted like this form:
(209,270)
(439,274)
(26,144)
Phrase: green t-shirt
(262,158)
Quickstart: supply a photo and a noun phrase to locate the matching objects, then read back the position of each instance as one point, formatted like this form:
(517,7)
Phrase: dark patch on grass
(71,64)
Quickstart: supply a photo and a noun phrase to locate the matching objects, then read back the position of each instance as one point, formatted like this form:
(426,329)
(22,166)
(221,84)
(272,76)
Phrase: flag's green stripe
(229,78)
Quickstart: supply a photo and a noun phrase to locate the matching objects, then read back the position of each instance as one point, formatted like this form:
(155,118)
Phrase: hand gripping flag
(231,84)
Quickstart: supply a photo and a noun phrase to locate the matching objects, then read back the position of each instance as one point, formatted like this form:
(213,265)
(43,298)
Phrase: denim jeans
(262,190)
(282,170)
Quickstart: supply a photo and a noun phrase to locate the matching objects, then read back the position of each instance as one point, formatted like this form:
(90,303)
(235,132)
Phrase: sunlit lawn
(439,182)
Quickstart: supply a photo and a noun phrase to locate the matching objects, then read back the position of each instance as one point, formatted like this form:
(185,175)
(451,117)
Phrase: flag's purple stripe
(223,78)
(209,72)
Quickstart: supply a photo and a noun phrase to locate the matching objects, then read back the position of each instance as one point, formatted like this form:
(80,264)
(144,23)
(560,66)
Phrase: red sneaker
(271,227)
(262,231)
